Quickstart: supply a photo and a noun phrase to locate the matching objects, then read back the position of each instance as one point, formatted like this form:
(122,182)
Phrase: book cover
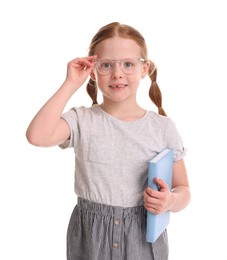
(160,166)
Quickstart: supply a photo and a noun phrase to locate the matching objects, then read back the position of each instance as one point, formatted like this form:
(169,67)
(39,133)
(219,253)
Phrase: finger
(151,192)
(150,200)
(152,205)
(153,210)
(92,58)
(161,184)
(90,62)
(82,63)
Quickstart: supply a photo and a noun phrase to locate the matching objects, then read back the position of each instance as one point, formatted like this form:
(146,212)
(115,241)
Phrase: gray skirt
(103,232)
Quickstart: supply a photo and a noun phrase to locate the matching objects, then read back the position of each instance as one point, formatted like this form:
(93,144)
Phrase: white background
(187,41)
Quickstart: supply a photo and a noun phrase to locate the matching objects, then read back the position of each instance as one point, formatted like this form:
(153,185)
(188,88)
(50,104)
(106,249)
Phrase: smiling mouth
(117,86)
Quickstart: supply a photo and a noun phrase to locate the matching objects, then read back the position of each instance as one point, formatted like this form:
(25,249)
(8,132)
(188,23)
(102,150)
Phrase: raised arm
(47,128)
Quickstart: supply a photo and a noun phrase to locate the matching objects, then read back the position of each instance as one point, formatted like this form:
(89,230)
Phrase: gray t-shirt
(111,155)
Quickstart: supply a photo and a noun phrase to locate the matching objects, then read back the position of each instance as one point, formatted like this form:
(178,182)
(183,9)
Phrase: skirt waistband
(110,210)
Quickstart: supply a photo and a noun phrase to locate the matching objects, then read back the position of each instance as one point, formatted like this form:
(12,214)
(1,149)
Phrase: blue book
(160,166)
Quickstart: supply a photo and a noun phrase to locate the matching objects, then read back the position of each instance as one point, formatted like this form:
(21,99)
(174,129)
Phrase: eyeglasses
(128,66)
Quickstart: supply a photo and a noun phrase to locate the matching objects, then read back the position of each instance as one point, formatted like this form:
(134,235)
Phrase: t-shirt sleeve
(71,117)
(174,141)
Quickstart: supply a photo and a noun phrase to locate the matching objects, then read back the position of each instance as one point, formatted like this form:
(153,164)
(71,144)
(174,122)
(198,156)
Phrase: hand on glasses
(79,69)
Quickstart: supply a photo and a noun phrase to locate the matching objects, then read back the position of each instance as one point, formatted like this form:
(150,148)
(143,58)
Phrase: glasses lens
(104,66)
(129,66)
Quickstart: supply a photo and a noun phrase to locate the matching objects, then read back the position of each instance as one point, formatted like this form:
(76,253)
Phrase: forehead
(118,48)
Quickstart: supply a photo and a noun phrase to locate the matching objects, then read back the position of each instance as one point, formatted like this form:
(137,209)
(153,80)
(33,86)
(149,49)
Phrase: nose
(117,71)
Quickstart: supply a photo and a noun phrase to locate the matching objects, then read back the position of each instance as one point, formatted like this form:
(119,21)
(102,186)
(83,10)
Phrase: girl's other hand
(157,201)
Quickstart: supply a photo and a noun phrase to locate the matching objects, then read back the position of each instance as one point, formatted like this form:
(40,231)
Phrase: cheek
(137,77)
(102,81)
(134,82)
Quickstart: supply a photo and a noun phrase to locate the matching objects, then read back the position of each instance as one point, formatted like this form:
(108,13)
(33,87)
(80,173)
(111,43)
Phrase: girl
(113,143)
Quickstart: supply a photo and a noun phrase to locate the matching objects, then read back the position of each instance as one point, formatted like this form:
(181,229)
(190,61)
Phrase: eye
(127,64)
(106,64)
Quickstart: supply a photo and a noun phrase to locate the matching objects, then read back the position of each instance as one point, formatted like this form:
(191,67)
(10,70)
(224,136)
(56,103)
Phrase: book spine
(151,218)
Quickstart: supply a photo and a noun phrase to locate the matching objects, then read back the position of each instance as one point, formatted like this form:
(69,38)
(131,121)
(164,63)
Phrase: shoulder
(82,112)
(159,120)
(173,139)
(164,124)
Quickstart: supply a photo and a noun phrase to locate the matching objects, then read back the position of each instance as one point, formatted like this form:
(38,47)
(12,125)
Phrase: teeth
(117,86)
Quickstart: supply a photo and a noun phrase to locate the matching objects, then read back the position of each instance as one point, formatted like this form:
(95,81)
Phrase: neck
(123,111)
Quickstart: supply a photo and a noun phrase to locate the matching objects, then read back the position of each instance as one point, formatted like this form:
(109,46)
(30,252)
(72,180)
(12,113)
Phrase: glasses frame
(121,62)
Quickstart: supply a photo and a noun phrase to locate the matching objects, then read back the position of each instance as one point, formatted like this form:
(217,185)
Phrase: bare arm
(180,194)
(176,199)
(47,128)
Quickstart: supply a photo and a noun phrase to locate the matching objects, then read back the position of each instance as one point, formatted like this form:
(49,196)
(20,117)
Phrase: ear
(92,75)
(145,69)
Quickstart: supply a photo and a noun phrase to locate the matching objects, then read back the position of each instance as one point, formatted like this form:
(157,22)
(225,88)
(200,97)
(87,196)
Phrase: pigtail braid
(155,92)
(92,91)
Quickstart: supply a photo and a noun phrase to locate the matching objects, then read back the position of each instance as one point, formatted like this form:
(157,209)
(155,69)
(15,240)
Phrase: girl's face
(119,69)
